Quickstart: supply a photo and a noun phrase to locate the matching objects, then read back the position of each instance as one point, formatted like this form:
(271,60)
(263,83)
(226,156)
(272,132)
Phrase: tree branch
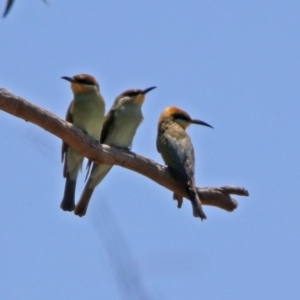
(83,144)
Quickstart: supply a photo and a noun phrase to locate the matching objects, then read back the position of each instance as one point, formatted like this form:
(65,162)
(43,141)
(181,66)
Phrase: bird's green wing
(108,121)
(64,147)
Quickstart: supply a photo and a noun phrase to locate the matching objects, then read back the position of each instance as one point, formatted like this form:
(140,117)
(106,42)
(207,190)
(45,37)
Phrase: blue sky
(233,64)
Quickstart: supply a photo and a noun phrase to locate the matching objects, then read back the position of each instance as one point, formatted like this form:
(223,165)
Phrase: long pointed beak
(144,92)
(199,122)
(68,78)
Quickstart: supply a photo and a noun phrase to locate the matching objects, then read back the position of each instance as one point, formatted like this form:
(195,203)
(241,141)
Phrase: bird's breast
(122,131)
(88,114)
(176,149)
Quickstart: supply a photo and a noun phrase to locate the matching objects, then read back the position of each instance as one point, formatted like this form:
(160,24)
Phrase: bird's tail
(68,201)
(196,203)
(98,172)
(82,204)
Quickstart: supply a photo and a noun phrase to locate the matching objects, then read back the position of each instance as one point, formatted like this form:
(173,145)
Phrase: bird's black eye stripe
(181,117)
(132,94)
(84,81)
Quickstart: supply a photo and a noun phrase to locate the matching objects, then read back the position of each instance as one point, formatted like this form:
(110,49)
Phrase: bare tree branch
(14,105)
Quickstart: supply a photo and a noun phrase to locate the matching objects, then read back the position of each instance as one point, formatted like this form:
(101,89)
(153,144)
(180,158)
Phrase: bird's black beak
(144,92)
(199,122)
(68,78)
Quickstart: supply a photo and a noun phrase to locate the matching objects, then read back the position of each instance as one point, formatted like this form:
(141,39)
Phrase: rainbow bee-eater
(177,151)
(120,125)
(86,112)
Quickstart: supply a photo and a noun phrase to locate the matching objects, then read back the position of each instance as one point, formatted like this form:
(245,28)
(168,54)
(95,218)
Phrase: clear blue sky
(233,64)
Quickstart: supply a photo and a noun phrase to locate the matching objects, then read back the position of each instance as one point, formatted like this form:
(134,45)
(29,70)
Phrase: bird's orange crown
(175,114)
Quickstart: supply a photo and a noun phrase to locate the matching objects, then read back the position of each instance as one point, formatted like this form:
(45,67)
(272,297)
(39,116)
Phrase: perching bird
(119,128)
(177,151)
(86,112)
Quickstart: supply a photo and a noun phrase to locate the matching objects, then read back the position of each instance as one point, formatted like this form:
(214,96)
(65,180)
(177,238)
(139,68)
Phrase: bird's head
(179,116)
(82,83)
(133,96)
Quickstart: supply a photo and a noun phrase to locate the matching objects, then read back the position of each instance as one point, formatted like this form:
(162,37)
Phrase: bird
(86,111)
(120,125)
(177,151)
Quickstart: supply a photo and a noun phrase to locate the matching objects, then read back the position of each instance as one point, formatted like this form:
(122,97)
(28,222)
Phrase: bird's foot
(199,213)
(122,148)
(179,200)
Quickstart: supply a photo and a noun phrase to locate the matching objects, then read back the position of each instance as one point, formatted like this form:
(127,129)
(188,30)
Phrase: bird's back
(177,151)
